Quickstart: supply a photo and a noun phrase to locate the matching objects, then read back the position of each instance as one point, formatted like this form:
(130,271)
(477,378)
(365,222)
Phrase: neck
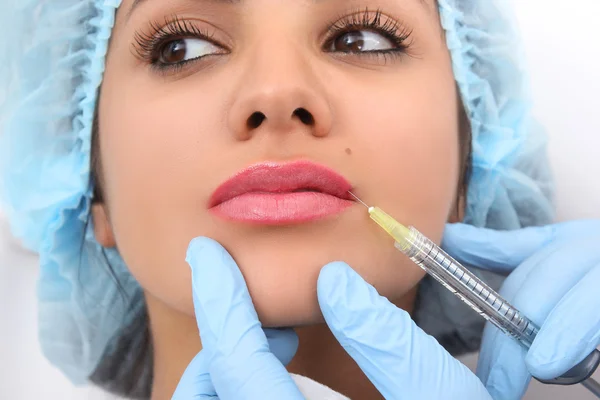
(319,357)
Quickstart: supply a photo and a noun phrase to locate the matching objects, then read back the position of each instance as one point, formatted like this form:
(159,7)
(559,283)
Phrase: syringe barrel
(468,287)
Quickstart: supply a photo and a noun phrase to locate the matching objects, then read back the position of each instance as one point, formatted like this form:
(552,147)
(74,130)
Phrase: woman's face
(306,99)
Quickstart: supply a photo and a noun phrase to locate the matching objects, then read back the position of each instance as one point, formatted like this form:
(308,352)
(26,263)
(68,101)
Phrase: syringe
(475,293)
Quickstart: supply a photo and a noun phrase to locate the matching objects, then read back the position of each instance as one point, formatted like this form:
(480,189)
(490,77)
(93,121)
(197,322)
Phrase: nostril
(305,116)
(255,120)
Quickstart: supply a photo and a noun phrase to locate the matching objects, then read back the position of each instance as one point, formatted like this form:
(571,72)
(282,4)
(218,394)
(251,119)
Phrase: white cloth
(315,391)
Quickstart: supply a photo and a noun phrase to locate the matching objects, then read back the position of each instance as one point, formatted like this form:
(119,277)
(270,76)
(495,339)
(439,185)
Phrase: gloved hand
(554,280)
(238,360)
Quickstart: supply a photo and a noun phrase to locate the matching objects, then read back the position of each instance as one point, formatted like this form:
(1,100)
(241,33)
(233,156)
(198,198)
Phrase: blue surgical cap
(53,55)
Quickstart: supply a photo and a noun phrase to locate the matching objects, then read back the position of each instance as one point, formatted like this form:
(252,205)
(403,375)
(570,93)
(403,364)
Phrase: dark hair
(127,365)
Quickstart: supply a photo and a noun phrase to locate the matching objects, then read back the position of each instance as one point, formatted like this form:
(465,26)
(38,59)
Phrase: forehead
(130,6)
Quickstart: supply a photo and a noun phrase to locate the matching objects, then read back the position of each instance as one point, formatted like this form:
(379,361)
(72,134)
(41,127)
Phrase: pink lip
(278,194)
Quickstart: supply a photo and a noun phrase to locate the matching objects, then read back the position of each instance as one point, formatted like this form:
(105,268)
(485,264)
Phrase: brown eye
(181,50)
(173,52)
(361,41)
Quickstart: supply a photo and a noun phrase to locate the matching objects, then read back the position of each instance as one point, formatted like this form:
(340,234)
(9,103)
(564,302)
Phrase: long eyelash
(146,44)
(375,21)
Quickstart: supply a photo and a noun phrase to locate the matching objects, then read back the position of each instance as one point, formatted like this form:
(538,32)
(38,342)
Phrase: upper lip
(272,177)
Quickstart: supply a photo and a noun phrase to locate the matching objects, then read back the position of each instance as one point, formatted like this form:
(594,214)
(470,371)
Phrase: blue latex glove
(238,360)
(554,280)
(236,363)
(401,360)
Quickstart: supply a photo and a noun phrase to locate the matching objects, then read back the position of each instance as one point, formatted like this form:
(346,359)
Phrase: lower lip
(280,208)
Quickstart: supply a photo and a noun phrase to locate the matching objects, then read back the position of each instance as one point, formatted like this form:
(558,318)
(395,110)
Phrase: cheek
(150,153)
(406,156)
(408,150)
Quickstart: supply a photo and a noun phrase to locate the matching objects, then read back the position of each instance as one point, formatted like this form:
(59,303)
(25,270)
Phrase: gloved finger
(283,343)
(503,251)
(398,357)
(534,289)
(241,364)
(195,383)
(544,279)
(571,331)
(501,366)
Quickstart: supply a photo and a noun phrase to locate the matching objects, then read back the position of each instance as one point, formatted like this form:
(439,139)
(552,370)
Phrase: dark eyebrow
(137,3)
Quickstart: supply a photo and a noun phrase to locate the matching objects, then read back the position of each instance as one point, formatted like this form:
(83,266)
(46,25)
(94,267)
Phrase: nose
(279,94)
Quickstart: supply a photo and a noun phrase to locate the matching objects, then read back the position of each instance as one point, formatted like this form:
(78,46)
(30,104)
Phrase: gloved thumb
(236,348)
(401,360)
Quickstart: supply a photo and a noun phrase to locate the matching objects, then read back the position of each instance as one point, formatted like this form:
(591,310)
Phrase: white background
(564,56)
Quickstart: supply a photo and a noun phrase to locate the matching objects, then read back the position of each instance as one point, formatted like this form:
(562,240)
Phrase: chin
(286,302)
(291,300)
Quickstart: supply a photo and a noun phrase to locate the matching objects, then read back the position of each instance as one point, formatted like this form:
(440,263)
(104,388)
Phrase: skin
(167,141)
